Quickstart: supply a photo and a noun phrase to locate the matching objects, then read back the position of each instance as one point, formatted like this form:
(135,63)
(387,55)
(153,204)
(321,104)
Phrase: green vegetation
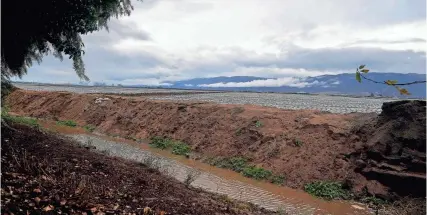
(278,179)
(179,148)
(258,124)
(298,142)
(327,190)
(89,127)
(241,165)
(238,132)
(19,119)
(234,163)
(58,31)
(257,173)
(160,142)
(69,123)
(373,200)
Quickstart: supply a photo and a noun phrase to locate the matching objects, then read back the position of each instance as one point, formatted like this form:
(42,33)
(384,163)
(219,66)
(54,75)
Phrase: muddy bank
(46,174)
(303,145)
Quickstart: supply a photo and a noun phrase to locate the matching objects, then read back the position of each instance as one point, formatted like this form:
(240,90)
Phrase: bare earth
(216,130)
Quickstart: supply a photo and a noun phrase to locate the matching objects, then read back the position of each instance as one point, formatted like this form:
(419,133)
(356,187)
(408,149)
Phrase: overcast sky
(168,40)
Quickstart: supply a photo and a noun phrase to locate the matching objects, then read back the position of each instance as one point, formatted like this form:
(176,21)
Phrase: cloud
(279,82)
(169,40)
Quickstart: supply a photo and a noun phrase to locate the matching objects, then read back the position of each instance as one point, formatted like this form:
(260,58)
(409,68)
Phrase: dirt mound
(46,174)
(394,149)
(303,145)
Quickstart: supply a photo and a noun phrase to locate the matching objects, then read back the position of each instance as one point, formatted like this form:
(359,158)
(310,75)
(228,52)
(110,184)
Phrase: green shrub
(326,190)
(258,124)
(69,123)
(160,142)
(234,163)
(89,127)
(257,173)
(373,200)
(179,148)
(278,179)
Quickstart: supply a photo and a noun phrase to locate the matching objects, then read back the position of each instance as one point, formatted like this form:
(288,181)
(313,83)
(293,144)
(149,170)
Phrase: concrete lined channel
(210,182)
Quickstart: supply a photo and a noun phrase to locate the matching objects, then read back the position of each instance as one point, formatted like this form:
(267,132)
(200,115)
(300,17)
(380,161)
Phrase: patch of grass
(298,142)
(234,163)
(179,148)
(258,124)
(69,123)
(257,173)
(327,190)
(278,179)
(21,120)
(89,127)
(160,142)
(372,200)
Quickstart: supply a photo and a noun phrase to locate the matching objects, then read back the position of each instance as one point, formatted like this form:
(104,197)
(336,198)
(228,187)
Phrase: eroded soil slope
(394,150)
(46,174)
(303,145)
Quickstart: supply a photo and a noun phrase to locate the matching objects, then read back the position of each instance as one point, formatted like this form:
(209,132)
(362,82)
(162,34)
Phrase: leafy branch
(361,70)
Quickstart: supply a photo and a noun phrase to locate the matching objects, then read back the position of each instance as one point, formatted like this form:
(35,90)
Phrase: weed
(160,142)
(69,123)
(192,175)
(372,200)
(297,142)
(257,173)
(278,179)
(89,127)
(258,124)
(234,163)
(179,148)
(326,190)
(238,132)
(21,120)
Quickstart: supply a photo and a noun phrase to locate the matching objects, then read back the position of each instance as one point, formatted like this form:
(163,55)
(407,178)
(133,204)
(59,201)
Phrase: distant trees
(361,72)
(32,29)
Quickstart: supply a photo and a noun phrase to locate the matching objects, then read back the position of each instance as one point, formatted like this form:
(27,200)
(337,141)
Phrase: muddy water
(210,178)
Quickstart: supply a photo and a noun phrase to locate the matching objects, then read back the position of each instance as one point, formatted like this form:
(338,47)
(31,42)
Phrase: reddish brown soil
(211,129)
(45,174)
(327,140)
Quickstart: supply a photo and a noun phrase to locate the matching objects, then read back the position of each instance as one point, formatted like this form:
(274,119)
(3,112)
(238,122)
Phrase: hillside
(331,84)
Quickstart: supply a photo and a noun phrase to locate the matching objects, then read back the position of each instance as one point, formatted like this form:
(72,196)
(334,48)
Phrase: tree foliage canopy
(32,29)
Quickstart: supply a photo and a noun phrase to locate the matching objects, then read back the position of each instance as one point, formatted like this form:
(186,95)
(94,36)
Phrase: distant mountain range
(326,84)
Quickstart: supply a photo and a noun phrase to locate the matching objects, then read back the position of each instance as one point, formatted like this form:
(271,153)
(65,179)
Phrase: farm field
(333,104)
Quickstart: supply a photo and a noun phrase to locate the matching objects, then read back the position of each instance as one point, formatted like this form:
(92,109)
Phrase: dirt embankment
(303,145)
(45,174)
(394,150)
